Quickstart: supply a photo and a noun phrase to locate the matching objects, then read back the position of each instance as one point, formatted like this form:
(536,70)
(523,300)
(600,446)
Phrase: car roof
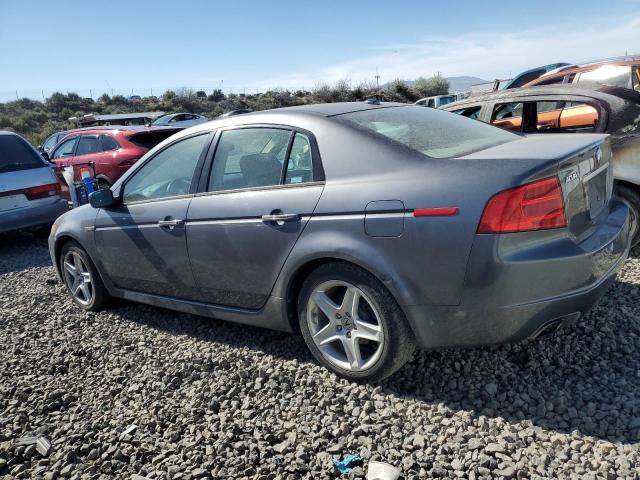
(331,109)
(624,61)
(116,129)
(602,92)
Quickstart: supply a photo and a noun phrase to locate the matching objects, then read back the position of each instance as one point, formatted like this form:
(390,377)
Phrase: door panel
(139,254)
(236,256)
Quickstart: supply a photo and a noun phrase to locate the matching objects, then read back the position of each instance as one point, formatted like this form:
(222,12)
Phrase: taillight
(42,191)
(535,206)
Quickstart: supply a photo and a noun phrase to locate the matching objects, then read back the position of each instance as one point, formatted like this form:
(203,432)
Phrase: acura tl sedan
(370,229)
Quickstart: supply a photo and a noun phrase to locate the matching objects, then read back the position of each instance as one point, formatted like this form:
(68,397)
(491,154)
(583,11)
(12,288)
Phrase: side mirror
(45,155)
(102,199)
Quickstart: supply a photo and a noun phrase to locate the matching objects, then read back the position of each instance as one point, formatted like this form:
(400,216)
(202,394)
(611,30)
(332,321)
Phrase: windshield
(447,99)
(16,154)
(434,133)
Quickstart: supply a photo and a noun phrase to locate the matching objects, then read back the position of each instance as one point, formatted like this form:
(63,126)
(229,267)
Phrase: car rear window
(433,133)
(16,154)
(149,140)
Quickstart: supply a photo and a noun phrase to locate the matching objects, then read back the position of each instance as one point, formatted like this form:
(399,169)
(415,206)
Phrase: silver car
(29,188)
(369,229)
(180,120)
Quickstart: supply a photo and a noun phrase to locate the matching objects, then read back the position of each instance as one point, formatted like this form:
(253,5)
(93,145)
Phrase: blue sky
(253,45)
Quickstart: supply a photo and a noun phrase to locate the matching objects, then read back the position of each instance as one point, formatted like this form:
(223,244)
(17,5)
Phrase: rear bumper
(32,216)
(518,284)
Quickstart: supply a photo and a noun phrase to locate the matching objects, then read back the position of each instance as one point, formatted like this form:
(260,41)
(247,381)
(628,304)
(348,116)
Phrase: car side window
(469,112)
(508,116)
(108,143)
(65,149)
(300,163)
(169,173)
(88,144)
(50,143)
(249,157)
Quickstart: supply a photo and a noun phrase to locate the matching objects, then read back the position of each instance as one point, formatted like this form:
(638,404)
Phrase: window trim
(318,170)
(194,178)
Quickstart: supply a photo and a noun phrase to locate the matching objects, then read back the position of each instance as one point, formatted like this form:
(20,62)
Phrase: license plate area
(596,192)
(12,202)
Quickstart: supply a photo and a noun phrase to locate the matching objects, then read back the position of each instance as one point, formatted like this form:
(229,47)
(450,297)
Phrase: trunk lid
(582,163)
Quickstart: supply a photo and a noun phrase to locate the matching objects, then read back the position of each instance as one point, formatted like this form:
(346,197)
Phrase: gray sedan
(370,229)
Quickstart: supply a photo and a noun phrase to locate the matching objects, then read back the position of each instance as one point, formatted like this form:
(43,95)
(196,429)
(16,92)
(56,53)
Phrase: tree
(428,87)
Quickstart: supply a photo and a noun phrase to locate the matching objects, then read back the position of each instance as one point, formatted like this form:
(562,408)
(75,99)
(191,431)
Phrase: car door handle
(281,217)
(170,223)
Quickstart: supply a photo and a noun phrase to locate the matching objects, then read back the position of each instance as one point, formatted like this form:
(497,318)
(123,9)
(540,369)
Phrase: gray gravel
(139,392)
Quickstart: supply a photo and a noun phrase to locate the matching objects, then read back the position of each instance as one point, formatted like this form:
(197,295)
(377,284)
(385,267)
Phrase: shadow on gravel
(20,251)
(585,378)
(582,379)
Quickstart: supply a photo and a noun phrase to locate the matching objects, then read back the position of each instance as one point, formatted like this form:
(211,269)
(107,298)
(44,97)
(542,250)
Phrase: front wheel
(81,278)
(352,324)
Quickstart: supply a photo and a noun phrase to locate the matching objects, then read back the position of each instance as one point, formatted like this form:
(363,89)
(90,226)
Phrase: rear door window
(16,154)
(300,163)
(88,144)
(250,157)
(108,143)
(636,79)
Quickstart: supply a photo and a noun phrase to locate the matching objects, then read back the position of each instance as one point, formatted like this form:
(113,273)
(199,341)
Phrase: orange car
(617,73)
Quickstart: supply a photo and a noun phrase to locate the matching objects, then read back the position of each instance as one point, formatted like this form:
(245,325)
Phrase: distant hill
(458,84)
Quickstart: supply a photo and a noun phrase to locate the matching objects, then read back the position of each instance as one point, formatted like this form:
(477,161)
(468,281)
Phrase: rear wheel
(81,278)
(632,199)
(352,324)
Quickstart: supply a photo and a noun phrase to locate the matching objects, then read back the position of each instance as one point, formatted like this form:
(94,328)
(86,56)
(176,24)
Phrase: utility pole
(377,77)
(43,100)
(91,94)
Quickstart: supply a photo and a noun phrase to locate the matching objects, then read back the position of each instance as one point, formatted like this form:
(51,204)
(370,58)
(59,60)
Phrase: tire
(389,341)
(98,297)
(632,199)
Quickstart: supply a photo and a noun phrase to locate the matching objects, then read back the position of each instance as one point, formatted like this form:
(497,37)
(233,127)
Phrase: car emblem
(571,177)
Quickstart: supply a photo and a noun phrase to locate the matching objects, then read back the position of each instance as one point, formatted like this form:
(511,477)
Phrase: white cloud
(486,55)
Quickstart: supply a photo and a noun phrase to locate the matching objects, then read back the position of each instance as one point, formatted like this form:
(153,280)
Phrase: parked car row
(371,228)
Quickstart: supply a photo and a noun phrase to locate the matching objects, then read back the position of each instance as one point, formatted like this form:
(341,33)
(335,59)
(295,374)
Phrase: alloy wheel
(345,325)
(78,278)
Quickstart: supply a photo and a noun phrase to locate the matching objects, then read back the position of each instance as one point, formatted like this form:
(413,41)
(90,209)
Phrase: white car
(180,120)
(30,190)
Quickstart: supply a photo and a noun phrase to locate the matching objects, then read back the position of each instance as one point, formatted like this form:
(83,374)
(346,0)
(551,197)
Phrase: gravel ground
(139,391)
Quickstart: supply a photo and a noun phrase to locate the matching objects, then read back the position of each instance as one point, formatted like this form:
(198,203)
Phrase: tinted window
(108,143)
(16,154)
(434,133)
(169,173)
(636,79)
(300,164)
(88,145)
(66,148)
(249,157)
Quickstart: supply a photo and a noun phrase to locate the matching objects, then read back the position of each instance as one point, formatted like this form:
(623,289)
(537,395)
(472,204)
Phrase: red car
(107,151)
